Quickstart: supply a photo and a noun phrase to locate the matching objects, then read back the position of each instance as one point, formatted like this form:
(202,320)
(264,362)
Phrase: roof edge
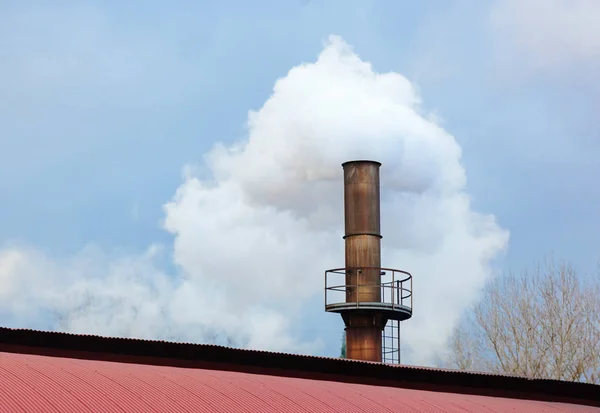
(215,357)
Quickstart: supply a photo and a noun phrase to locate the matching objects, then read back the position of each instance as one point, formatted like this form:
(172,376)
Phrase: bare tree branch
(540,324)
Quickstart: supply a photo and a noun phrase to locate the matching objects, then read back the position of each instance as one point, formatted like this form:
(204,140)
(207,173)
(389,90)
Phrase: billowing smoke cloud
(253,236)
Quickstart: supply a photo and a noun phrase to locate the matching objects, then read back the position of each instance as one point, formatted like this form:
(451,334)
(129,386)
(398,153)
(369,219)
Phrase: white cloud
(252,239)
(549,33)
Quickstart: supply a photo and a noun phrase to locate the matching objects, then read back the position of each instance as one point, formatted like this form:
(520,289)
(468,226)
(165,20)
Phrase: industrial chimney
(370,301)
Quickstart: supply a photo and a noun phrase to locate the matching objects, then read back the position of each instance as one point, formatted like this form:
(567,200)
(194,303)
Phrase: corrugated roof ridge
(241,349)
(267,352)
(184,343)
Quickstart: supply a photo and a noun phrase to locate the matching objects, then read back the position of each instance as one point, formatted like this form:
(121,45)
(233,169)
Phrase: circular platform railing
(394,300)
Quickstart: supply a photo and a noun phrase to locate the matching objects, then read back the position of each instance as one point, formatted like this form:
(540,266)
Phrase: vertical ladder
(391,342)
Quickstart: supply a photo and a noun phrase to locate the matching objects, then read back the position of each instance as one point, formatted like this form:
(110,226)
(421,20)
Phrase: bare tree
(540,324)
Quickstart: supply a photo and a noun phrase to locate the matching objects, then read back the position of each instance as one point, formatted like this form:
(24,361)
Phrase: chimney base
(363,336)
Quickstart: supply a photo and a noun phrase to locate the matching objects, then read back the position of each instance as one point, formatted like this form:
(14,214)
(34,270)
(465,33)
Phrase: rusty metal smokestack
(363,258)
(369,303)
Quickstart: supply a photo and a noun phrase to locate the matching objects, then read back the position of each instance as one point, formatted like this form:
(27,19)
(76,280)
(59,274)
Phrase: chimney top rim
(361,161)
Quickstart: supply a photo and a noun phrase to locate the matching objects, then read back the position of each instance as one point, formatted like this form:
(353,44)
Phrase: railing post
(392,289)
(411,295)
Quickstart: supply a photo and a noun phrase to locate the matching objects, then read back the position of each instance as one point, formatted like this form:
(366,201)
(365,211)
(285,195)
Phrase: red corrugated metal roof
(282,367)
(35,383)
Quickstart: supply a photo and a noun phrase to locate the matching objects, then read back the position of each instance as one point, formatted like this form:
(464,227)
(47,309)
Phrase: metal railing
(396,288)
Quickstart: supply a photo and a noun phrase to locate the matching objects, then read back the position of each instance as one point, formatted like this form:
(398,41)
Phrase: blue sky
(102,106)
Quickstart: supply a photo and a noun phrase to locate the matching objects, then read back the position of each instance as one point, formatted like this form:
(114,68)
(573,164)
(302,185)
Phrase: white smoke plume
(254,234)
